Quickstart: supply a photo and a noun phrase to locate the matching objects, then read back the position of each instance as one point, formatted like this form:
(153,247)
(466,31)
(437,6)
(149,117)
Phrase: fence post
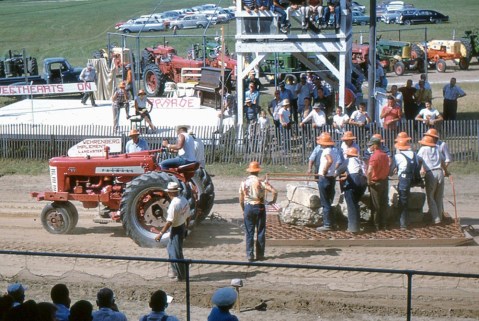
(409,296)
(188,303)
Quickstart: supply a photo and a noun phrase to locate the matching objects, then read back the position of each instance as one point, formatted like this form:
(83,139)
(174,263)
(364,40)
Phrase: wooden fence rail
(234,144)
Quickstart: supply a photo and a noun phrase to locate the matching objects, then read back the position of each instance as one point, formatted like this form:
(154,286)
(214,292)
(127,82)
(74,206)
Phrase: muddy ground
(290,294)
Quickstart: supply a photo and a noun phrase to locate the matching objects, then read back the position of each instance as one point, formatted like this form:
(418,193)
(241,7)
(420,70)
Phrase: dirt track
(291,294)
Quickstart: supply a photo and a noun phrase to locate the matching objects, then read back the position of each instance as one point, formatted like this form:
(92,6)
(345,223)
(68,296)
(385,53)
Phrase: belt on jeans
(434,169)
(254,204)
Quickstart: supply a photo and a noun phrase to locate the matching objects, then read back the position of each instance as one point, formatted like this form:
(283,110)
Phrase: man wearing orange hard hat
(252,200)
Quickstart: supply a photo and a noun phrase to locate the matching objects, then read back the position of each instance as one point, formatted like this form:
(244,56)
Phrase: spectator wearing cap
(285,93)
(252,94)
(17,292)
(140,108)
(317,117)
(368,152)
(177,215)
(81,311)
(223,299)
(432,162)
(185,146)
(303,90)
(422,95)
(329,161)
(251,112)
(135,144)
(451,93)
(429,115)
(377,174)
(88,74)
(274,106)
(158,304)
(354,184)
(405,160)
(409,99)
(120,99)
(199,149)
(391,114)
(252,199)
(340,121)
(348,141)
(129,80)
(60,296)
(107,308)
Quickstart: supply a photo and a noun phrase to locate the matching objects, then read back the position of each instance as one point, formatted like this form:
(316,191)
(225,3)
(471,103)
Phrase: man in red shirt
(377,174)
(391,114)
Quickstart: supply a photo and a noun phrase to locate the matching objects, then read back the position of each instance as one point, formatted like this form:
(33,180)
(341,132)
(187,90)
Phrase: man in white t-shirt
(430,116)
(316,116)
(340,120)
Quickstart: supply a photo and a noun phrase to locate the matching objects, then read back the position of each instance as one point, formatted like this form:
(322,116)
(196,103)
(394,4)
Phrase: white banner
(95,147)
(14,90)
(175,102)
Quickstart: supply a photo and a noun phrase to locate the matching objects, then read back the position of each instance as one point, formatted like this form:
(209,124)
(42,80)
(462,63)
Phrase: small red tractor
(162,64)
(130,186)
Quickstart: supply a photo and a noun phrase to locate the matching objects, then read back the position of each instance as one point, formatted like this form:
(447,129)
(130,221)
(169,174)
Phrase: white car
(190,21)
(142,25)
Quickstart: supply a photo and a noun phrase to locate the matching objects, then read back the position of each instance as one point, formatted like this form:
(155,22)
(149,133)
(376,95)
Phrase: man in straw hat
(135,144)
(377,174)
(185,146)
(88,74)
(405,161)
(177,215)
(330,159)
(252,200)
(223,299)
(120,99)
(354,186)
(432,162)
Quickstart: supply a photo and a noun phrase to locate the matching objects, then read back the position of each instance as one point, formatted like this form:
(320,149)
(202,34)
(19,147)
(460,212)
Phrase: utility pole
(372,61)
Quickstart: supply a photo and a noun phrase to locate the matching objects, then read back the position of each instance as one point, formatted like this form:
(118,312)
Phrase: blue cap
(224,297)
(16,288)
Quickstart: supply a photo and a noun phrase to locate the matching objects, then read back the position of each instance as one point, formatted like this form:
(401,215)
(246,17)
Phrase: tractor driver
(185,146)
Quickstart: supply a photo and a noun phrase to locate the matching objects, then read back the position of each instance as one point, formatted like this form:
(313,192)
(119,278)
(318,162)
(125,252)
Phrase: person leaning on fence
(340,121)
(135,144)
(158,304)
(354,186)
(391,114)
(140,108)
(88,74)
(177,215)
(185,146)
(330,160)
(120,99)
(274,106)
(251,112)
(252,199)
(377,174)
(432,162)
(107,308)
(405,161)
(223,299)
(360,117)
(316,116)
(429,115)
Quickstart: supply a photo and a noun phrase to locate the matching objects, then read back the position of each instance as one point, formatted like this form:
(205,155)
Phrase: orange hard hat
(348,136)
(253,167)
(326,140)
(352,151)
(402,144)
(432,132)
(378,136)
(427,141)
(402,135)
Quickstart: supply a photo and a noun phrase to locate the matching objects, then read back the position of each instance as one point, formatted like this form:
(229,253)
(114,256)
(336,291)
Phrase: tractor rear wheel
(417,54)
(153,80)
(399,68)
(32,67)
(147,57)
(441,65)
(2,69)
(205,194)
(59,217)
(466,53)
(463,64)
(144,206)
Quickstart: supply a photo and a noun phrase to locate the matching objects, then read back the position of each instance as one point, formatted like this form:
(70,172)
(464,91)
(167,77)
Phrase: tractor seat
(188,167)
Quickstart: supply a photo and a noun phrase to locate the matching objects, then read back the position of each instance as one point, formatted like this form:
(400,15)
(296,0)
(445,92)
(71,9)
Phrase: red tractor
(162,64)
(132,188)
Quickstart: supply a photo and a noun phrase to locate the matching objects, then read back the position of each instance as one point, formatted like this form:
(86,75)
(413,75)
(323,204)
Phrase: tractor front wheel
(59,217)
(144,206)
(153,80)
(441,65)
(399,68)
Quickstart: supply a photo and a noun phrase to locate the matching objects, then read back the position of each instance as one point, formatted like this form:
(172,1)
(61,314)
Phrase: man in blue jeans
(330,160)
(185,146)
(252,200)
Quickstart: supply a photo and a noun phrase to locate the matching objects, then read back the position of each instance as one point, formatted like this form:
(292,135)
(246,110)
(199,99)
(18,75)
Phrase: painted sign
(95,147)
(13,90)
(176,102)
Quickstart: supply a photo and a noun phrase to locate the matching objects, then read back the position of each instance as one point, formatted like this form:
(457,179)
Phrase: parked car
(172,14)
(359,18)
(357,6)
(422,16)
(190,21)
(391,16)
(218,15)
(142,25)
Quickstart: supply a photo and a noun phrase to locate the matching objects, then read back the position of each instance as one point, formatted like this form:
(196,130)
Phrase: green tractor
(279,66)
(398,56)
(471,41)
